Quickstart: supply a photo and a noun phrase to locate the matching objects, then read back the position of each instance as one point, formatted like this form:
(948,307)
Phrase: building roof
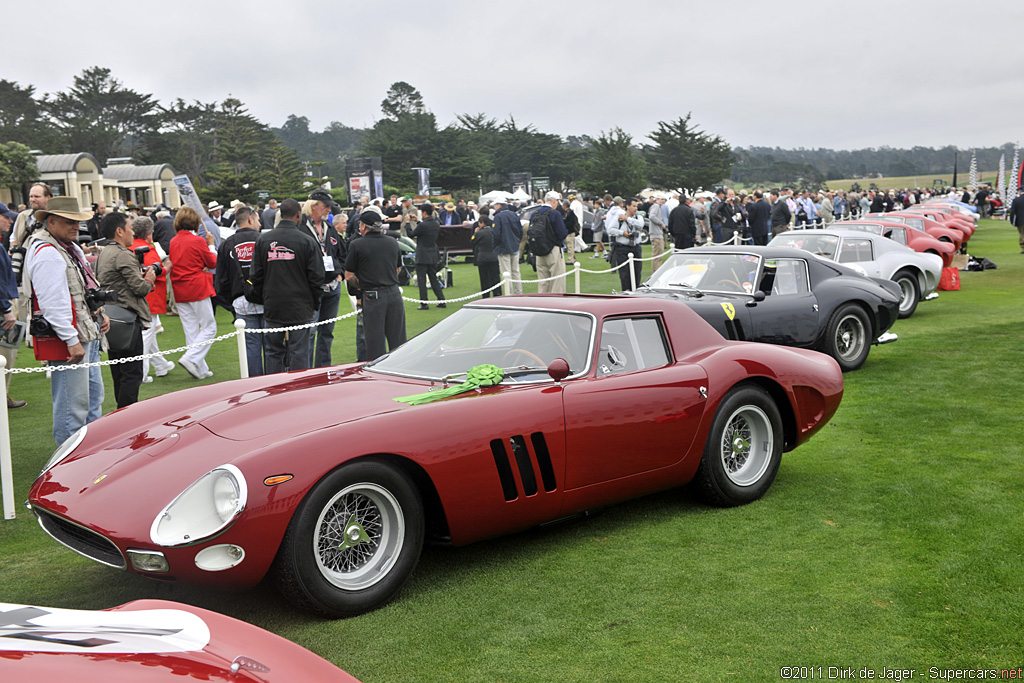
(130,173)
(62,163)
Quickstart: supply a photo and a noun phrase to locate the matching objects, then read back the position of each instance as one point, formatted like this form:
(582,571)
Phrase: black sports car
(781,296)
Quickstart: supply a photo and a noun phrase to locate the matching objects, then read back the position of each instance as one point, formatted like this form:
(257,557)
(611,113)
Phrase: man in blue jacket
(8,297)
(507,234)
(551,264)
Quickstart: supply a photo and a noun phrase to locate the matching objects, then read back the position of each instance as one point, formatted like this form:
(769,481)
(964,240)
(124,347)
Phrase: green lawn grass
(893,538)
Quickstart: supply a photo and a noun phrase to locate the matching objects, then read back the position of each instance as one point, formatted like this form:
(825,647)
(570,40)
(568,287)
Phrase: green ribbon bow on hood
(476,378)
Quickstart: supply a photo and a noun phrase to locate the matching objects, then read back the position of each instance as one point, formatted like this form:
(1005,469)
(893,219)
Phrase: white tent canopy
(520,195)
(494,195)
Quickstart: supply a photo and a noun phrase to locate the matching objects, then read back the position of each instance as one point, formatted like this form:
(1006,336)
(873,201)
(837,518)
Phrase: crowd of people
(83,282)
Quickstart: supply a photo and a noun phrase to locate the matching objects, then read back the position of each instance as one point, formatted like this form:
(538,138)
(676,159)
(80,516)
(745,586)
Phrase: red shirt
(157,299)
(190,254)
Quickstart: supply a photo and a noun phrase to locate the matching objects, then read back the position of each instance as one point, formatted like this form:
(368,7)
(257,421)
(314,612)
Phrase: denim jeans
(282,355)
(253,343)
(322,337)
(77,394)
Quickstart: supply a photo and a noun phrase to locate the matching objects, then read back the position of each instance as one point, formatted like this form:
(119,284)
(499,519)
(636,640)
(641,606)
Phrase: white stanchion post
(632,271)
(506,283)
(6,471)
(735,238)
(576,271)
(243,357)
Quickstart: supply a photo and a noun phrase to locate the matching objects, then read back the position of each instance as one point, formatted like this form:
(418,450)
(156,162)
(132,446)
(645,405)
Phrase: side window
(855,250)
(790,277)
(631,344)
(899,235)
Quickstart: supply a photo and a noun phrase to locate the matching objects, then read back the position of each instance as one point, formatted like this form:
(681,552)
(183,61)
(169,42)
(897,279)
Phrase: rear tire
(848,337)
(743,450)
(910,294)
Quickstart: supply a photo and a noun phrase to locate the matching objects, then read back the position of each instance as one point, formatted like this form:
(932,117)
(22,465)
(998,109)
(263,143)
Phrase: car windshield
(707,272)
(895,219)
(822,245)
(521,341)
(861,227)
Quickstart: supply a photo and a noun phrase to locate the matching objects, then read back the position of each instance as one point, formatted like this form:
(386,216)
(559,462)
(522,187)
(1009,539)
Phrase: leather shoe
(423,307)
(441,306)
(12,404)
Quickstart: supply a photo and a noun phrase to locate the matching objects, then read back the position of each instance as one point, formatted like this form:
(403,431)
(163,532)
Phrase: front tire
(910,294)
(354,540)
(848,337)
(743,450)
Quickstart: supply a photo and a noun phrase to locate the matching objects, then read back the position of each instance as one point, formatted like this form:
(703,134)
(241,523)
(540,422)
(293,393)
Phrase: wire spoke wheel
(746,447)
(743,449)
(359,535)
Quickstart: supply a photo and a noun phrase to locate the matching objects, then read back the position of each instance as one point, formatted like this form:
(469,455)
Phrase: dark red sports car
(324,479)
(147,641)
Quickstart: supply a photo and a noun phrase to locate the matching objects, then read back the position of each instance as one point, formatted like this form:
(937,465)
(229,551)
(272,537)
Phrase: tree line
(229,154)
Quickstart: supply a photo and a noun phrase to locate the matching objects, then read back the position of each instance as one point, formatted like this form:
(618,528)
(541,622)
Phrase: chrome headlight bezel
(66,448)
(208,506)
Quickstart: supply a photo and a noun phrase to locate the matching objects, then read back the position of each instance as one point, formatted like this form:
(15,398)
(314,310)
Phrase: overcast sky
(788,74)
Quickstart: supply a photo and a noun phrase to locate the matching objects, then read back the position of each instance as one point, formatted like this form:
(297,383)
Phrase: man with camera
(625,228)
(62,286)
(120,270)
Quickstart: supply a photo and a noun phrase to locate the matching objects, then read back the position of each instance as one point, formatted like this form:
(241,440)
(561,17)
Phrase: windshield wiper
(511,373)
(696,292)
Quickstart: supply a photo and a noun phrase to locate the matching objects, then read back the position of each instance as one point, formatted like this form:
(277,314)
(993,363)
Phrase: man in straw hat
(59,277)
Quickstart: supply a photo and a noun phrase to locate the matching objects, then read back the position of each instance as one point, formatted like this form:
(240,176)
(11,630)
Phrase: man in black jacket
(781,215)
(425,233)
(234,258)
(287,276)
(333,252)
(1017,217)
(372,265)
(759,218)
(681,224)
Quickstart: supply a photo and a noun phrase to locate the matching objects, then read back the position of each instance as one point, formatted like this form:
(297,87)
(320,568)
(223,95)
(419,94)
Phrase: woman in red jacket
(191,259)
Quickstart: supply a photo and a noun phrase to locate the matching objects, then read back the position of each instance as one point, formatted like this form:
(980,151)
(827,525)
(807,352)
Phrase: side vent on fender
(524,464)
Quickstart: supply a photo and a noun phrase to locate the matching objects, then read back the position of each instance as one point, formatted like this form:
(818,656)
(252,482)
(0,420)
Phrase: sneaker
(14,403)
(190,368)
(208,375)
(148,379)
(163,373)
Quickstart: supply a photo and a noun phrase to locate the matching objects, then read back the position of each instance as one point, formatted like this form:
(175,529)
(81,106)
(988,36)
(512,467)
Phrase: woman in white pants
(191,259)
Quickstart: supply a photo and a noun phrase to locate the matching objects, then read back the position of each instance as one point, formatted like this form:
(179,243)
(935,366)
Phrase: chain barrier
(263,331)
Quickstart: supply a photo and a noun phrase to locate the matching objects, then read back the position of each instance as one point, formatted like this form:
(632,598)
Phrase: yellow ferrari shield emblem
(729,310)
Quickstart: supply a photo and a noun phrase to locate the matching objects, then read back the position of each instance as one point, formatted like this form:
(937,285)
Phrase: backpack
(540,236)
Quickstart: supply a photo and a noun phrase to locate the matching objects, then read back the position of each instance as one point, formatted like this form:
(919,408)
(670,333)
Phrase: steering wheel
(529,354)
(731,283)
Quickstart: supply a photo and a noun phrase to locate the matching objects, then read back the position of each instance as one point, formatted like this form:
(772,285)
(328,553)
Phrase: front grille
(81,540)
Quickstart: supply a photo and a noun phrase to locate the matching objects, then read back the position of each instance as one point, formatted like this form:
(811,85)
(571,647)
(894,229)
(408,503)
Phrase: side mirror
(558,369)
(758,297)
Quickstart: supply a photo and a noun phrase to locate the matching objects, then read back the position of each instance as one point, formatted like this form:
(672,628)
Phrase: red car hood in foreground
(148,640)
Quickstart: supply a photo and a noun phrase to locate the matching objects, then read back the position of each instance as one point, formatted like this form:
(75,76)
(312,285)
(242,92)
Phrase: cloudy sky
(790,74)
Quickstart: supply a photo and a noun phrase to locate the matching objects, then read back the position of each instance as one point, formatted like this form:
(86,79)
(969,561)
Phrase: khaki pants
(657,249)
(570,248)
(11,353)
(549,266)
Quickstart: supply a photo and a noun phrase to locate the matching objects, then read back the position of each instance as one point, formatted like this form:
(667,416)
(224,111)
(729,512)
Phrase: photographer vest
(87,329)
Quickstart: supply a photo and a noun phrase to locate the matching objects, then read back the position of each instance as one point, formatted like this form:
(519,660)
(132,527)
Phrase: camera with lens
(17,262)
(96,297)
(38,326)
(140,254)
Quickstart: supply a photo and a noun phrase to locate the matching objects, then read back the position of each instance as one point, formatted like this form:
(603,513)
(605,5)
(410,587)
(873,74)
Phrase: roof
(62,163)
(130,173)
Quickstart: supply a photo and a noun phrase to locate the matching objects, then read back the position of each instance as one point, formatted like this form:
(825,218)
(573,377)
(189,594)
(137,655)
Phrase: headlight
(64,450)
(203,509)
